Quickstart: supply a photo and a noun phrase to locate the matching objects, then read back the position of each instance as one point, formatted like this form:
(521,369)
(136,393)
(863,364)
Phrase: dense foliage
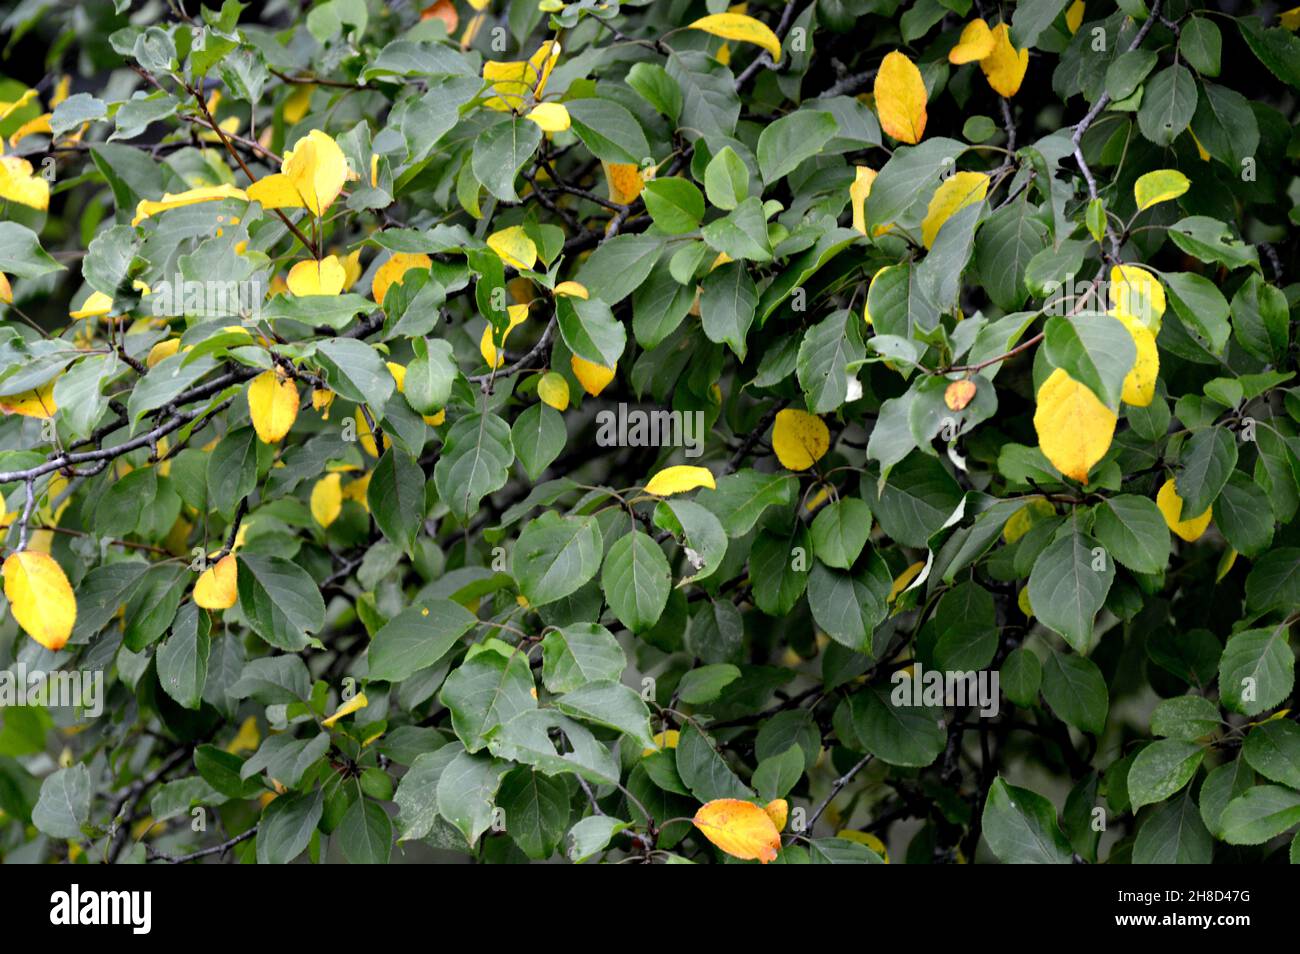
(832,431)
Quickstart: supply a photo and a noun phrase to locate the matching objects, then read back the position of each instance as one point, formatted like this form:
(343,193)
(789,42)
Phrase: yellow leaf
(1225,564)
(959,393)
(551,117)
(18,183)
(514,247)
(572,290)
(679,479)
(218,586)
(1171,506)
(357,702)
(778,809)
(625,181)
(1005,67)
(311,277)
(955,193)
(327,499)
(1074,428)
(514,80)
(799,439)
(976,43)
(593,377)
(904,580)
(162,351)
(1140,382)
(900,98)
(741,829)
(1290,19)
(365,436)
(273,406)
(393,271)
(1136,293)
(38,403)
(147,208)
(865,838)
(1074,16)
(40,597)
(663,740)
(552,389)
(517,314)
(1022,601)
(1036,509)
(96,305)
(1159,186)
(7,290)
(37,125)
(247,738)
(311,177)
(863,177)
(736,26)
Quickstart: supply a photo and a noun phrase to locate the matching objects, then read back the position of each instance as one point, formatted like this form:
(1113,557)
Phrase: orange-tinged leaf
(593,377)
(625,181)
(741,829)
(679,480)
(445,11)
(40,597)
(273,406)
(900,98)
(958,394)
(1074,428)
(217,587)
(1005,67)
(799,439)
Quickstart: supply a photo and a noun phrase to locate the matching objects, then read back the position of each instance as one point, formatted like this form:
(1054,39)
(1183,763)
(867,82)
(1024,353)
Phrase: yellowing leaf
(147,208)
(572,290)
(40,597)
(662,740)
(799,439)
(218,586)
(1022,601)
(1074,428)
(357,702)
(1036,509)
(956,192)
(514,80)
(553,389)
(393,271)
(1005,67)
(1140,382)
(863,177)
(976,43)
(38,402)
(778,809)
(958,394)
(625,181)
(1136,293)
(518,314)
(246,739)
(741,829)
(1171,507)
(1074,16)
(162,351)
(365,436)
(904,580)
(865,838)
(311,277)
(18,183)
(736,26)
(679,479)
(311,177)
(593,377)
(273,406)
(1159,186)
(7,290)
(327,499)
(551,117)
(35,126)
(900,98)
(96,305)
(514,246)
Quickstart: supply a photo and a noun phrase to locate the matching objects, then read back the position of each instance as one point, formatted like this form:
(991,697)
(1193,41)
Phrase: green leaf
(554,556)
(64,804)
(501,151)
(287,826)
(1260,814)
(280,601)
(1020,827)
(467,791)
(840,531)
(1273,750)
(183,658)
(610,704)
(1076,691)
(636,580)
(1094,349)
(396,496)
(727,306)
(1167,104)
(608,130)
(726,179)
(1134,532)
(785,143)
(1161,769)
(575,655)
(675,205)
(485,692)
(417,638)
(366,835)
(1257,671)
(1068,586)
